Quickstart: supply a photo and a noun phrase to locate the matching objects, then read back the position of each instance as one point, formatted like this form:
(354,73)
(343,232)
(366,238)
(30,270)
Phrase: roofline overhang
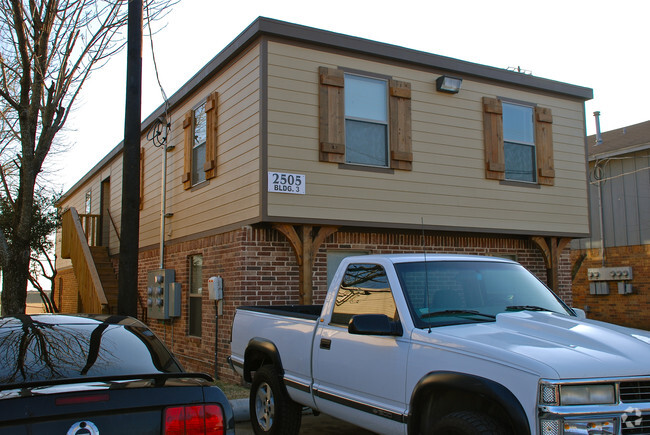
(619,152)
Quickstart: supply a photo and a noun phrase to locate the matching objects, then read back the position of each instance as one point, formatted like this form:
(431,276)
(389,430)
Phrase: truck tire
(466,423)
(272,411)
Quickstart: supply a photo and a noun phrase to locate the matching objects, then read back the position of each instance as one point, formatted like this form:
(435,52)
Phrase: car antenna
(426,271)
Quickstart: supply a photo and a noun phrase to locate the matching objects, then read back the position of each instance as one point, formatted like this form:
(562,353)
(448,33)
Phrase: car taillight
(194,420)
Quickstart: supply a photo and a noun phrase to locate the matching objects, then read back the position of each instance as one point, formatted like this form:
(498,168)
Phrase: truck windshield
(455,292)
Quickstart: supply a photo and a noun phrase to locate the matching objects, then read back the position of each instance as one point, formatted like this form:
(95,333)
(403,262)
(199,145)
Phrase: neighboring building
(34,303)
(612,268)
(295,147)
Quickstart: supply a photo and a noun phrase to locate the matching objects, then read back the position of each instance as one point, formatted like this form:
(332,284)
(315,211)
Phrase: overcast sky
(600,44)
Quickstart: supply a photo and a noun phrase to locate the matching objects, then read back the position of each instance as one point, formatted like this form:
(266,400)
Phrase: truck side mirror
(374,324)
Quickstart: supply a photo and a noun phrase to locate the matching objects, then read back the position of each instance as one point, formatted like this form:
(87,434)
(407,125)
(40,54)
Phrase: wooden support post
(552,248)
(305,245)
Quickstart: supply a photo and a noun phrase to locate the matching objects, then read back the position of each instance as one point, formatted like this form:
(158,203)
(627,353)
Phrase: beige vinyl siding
(77,199)
(233,195)
(447,186)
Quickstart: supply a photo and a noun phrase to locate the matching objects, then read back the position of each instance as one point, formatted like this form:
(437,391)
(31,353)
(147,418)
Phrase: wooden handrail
(117,233)
(90,225)
(75,244)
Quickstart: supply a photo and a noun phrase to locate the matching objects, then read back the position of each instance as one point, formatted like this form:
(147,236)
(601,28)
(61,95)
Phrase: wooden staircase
(106,275)
(93,269)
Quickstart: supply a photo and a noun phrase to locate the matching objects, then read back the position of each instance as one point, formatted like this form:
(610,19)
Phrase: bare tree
(48,48)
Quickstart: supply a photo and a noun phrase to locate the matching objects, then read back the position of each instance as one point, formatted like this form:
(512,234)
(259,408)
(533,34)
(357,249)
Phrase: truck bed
(309,312)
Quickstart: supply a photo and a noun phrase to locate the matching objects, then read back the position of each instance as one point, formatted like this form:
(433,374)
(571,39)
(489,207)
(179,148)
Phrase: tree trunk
(14,280)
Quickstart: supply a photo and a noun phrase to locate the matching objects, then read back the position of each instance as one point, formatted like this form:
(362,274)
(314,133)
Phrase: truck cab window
(363,290)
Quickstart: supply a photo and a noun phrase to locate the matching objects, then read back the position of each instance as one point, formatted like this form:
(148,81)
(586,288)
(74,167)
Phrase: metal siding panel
(594,213)
(631,202)
(618,203)
(643,191)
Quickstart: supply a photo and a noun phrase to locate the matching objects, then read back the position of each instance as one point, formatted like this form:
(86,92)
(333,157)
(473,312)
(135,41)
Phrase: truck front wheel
(271,409)
(466,423)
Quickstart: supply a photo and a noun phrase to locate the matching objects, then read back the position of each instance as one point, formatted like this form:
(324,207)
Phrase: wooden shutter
(188,141)
(331,113)
(544,145)
(495,163)
(141,178)
(401,154)
(210,166)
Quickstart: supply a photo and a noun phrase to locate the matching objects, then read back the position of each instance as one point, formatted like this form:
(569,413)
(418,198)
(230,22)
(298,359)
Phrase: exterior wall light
(451,85)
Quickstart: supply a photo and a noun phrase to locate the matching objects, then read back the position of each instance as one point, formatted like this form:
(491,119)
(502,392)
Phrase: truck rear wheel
(272,411)
(467,423)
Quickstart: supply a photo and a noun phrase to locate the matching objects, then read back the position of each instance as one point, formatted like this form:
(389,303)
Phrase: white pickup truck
(442,344)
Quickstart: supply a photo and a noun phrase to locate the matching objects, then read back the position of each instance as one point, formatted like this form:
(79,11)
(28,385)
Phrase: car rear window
(37,351)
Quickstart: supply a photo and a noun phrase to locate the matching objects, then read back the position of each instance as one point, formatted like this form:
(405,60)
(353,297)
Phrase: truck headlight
(583,426)
(595,394)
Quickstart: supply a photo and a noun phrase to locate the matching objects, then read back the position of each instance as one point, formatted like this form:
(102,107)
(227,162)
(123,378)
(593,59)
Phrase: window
(200,143)
(334,258)
(88,203)
(364,120)
(518,142)
(364,290)
(196,299)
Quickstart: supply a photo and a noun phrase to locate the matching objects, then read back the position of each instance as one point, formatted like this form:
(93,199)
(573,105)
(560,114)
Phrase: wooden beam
(292,236)
(552,248)
(305,246)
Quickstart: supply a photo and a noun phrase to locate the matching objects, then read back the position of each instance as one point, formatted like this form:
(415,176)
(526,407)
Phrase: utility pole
(130,226)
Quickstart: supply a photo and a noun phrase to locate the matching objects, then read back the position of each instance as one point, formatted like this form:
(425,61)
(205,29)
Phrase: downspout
(600,216)
(598,176)
(163,206)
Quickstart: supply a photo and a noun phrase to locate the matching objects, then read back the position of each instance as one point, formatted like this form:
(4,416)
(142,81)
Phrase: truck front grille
(635,391)
(633,424)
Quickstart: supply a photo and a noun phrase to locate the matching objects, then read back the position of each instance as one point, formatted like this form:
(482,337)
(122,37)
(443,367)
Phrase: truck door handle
(325,343)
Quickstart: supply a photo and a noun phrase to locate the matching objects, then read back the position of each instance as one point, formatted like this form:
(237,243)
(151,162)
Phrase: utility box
(600,277)
(163,294)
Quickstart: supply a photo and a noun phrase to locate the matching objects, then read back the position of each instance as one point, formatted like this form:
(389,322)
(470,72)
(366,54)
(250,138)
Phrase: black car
(99,374)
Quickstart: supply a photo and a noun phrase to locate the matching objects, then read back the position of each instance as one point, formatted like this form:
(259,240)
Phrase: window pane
(195,315)
(364,290)
(196,284)
(196,274)
(198,147)
(366,98)
(520,162)
(334,258)
(518,123)
(365,143)
(198,160)
(200,123)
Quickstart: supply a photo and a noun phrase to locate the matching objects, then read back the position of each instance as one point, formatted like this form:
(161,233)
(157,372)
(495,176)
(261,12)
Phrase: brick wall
(259,267)
(631,310)
(65,291)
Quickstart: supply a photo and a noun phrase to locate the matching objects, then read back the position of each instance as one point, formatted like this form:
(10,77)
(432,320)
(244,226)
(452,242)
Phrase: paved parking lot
(321,425)
(311,424)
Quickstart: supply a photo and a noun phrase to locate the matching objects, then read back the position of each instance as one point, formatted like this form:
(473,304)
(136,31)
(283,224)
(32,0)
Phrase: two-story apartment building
(295,147)
(611,268)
